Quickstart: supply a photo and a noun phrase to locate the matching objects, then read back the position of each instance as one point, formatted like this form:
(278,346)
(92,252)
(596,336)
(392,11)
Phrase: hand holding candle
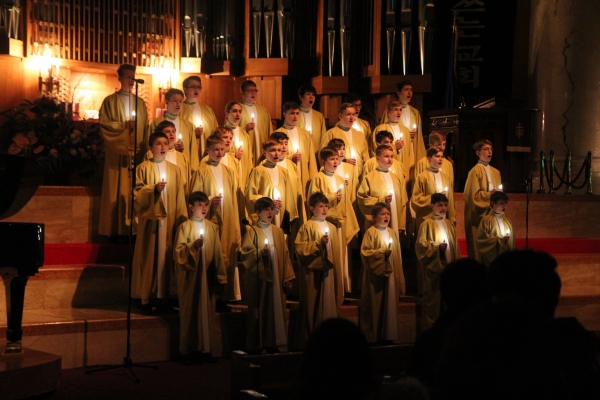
(200,242)
(389,197)
(277,199)
(346,178)
(265,252)
(444,244)
(413,131)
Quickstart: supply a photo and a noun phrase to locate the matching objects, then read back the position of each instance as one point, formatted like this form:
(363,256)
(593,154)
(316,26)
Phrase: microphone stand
(528,184)
(127,362)
(257,316)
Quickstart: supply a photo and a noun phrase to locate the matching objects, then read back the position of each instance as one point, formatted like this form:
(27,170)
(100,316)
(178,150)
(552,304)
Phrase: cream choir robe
(115,200)
(406,155)
(179,159)
(260,184)
(396,168)
(433,231)
(319,278)
(200,114)
(374,188)
(188,137)
(356,145)
(294,177)
(341,214)
(153,270)
(314,122)
(225,216)
(382,286)
(493,228)
(266,299)
(447,168)
(413,118)
(477,200)
(246,164)
(200,272)
(363,127)
(425,186)
(307,167)
(262,131)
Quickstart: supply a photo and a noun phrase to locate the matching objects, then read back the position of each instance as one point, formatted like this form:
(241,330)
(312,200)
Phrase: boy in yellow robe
(340,211)
(219,183)
(436,246)
(401,136)
(300,148)
(201,277)
(360,124)
(495,234)
(241,147)
(311,120)
(184,128)
(345,170)
(320,276)
(438,141)
(117,127)
(160,207)
(201,116)
(482,181)
(357,150)
(265,248)
(431,181)
(381,185)
(383,279)
(255,119)
(270,180)
(385,138)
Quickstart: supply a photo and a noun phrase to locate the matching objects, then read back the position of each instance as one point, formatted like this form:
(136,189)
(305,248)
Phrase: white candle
(341,187)
(266,243)
(390,243)
(414,127)
(252,117)
(445,238)
(391,191)
(163,177)
(508,232)
(327,231)
(221,192)
(446,189)
(133,114)
(201,233)
(276,194)
(238,144)
(310,131)
(180,137)
(401,135)
(351,153)
(500,187)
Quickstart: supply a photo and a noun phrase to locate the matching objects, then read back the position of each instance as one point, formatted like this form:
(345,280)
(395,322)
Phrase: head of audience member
(384,138)
(406,388)
(498,202)
(356,102)
(527,277)
(307,95)
(385,157)
(233,113)
(439,204)
(394,111)
(318,204)
(215,148)
(284,140)
(265,209)
(174,99)
(437,140)
(404,90)
(291,113)
(168,128)
(198,204)
(225,134)
(330,159)
(382,213)
(272,150)
(249,91)
(483,149)
(126,76)
(336,363)
(347,115)
(464,285)
(435,157)
(192,87)
(339,145)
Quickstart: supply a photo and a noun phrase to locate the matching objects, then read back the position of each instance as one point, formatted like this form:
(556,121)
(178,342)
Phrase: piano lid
(20,178)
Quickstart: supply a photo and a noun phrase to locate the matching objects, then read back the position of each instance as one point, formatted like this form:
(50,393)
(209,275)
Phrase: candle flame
(201,232)
(180,136)
(276,194)
(500,187)
(163,177)
(266,242)
(341,186)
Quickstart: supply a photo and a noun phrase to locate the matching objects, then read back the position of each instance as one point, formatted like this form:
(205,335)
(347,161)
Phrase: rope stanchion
(548,171)
(542,170)
(588,173)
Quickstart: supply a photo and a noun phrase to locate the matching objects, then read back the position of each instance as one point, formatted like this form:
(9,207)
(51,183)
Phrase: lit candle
(180,137)
(346,177)
(310,131)
(414,127)
(221,192)
(500,188)
(327,231)
(133,114)
(341,187)
(445,238)
(163,177)
(446,189)
(276,194)
(252,117)
(391,191)
(351,153)
(507,232)
(266,243)
(201,233)
(389,243)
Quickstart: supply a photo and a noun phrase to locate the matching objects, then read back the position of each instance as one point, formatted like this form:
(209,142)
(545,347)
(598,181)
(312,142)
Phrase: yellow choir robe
(150,211)
(317,128)
(490,238)
(291,169)
(375,299)
(447,168)
(359,147)
(198,280)
(226,219)
(396,168)
(208,121)
(183,165)
(263,121)
(315,262)
(415,119)
(424,187)
(374,189)
(188,137)
(246,164)
(271,310)
(308,166)
(477,201)
(115,200)
(260,185)
(365,128)
(405,156)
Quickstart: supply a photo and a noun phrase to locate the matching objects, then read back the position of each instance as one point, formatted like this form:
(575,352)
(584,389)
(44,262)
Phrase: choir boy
(495,234)
(255,119)
(200,115)
(311,120)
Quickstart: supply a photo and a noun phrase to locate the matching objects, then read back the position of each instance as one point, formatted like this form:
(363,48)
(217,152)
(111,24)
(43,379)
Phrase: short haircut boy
(435,137)
(155,135)
(164,124)
(173,91)
(290,105)
(432,151)
(230,105)
(344,106)
(352,98)
(221,130)
(267,144)
(279,136)
(336,143)
(262,204)
(480,143)
(392,104)
(380,149)
(317,198)
(213,140)
(186,81)
(382,135)
(327,152)
(199,197)
(246,84)
(401,84)
(376,209)
(438,197)
(125,67)
(302,90)
(497,196)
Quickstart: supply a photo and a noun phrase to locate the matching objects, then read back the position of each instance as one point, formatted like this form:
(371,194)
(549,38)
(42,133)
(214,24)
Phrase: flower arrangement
(45,131)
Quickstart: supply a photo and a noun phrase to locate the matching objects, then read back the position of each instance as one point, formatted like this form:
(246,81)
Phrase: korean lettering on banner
(470,30)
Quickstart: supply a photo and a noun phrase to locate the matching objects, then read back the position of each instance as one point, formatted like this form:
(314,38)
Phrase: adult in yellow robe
(153,268)
(266,298)
(200,115)
(379,308)
(374,189)
(200,273)
(311,120)
(494,237)
(425,186)
(319,278)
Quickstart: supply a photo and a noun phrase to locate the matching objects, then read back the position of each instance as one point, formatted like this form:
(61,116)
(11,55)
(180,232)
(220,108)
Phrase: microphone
(140,81)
